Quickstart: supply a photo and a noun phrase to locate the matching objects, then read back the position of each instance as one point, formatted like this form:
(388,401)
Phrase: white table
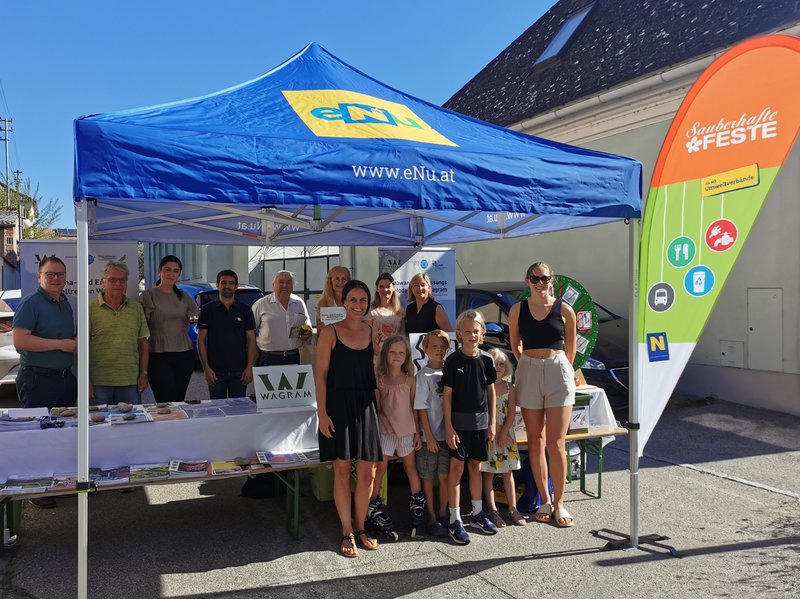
(213,439)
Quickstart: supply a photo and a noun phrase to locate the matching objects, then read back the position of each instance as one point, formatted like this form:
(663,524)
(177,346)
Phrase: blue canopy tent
(315,152)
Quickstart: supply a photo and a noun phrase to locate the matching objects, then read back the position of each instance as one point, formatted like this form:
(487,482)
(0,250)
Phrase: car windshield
(246,296)
(604,315)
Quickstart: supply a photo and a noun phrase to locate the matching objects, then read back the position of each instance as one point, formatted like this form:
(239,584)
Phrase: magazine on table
(33,483)
(228,467)
(187,468)
(64,482)
(103,477)
(280,460)
(149,472)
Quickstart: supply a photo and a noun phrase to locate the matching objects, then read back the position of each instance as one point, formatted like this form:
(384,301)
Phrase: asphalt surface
(721,480)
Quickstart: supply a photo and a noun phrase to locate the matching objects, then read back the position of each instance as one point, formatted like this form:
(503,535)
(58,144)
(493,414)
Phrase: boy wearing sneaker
(434,457)
(468,378)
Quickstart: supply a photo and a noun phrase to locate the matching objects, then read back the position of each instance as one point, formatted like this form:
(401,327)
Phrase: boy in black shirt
(468,378)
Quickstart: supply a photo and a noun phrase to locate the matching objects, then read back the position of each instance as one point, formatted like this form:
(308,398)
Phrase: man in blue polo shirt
(44,336)
(226,341)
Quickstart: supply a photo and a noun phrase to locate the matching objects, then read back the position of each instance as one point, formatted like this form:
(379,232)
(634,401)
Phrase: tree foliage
(39,216)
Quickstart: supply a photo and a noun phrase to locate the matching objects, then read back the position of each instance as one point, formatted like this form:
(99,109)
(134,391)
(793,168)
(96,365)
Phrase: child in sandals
(503,452)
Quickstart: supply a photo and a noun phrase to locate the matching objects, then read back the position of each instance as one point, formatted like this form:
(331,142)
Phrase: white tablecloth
(214,439)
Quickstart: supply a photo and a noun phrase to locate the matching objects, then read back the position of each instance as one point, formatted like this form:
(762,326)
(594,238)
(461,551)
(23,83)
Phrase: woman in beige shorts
(543,334)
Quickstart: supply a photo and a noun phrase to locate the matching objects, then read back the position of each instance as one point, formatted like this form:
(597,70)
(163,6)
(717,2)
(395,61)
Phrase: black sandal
(360,533)
(351,544)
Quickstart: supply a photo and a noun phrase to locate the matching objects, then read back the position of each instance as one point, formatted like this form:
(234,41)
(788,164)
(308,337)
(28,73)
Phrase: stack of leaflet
(105,477)
(33,483)
(187,469)
(144,473)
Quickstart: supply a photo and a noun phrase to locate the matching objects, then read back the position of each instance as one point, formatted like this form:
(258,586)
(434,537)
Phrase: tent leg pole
(615,539)
(82,219)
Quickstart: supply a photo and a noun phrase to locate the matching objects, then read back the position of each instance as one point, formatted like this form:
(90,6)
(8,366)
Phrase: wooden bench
(591,443)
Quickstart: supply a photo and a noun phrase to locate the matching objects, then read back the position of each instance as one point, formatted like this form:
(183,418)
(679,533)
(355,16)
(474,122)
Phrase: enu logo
(342,113)
(352,113)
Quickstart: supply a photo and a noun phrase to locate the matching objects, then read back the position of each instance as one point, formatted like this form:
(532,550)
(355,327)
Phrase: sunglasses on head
(536,279)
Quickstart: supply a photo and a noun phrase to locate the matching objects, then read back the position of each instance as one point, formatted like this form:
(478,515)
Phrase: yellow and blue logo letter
(340,113)
(657,347)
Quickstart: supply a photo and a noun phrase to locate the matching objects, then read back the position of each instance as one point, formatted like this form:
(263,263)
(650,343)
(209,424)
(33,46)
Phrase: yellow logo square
(340,113)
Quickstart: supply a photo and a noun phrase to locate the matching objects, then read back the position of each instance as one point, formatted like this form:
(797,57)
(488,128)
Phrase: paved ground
(723,481)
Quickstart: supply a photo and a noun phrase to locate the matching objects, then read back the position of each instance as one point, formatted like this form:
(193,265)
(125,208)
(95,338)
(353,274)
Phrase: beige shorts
(545,382)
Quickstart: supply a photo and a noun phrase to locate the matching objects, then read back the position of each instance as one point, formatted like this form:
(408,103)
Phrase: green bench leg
(10,516)
(595,448)
(291,480)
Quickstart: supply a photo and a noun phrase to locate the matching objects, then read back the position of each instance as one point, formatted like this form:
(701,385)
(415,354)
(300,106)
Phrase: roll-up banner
(721,155)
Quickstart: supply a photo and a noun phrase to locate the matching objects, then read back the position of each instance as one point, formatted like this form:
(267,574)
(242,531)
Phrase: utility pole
(6,132)
(20,209)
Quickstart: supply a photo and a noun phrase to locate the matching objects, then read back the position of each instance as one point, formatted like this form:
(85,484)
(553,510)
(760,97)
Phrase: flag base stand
(620,540)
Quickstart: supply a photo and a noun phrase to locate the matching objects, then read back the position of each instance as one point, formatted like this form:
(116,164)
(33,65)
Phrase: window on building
(568,29)
(309,274)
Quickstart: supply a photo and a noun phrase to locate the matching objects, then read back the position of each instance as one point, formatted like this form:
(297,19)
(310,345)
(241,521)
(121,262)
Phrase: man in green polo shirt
(118,333)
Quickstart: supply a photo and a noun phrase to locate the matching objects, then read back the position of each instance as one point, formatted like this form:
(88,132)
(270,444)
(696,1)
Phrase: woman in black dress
(423,313)
(348,419)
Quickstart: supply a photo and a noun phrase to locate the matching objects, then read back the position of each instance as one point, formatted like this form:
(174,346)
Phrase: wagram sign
(284,386)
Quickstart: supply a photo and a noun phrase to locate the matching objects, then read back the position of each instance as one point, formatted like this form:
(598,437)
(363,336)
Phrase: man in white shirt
(282,321)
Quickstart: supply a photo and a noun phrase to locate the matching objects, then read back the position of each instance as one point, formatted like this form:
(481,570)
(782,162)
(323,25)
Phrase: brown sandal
(516,517)
(366,541)
(348,546)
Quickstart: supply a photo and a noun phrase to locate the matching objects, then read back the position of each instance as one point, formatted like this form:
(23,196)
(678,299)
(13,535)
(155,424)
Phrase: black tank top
(423,321)
(541,334)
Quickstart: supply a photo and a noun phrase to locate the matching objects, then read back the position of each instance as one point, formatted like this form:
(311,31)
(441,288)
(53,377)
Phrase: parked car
(10,299)
(9,358)
(204,293)
(607,367)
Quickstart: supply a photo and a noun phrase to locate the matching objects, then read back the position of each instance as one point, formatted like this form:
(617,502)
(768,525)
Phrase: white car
(9,358)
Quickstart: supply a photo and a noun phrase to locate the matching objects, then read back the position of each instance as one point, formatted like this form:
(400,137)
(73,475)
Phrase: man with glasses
(44,336)
(118,348)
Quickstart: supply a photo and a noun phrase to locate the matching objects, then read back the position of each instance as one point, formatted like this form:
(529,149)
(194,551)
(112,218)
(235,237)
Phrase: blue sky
(63,59)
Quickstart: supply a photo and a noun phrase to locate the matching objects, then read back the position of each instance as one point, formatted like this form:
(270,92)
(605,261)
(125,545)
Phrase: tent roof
(315,152)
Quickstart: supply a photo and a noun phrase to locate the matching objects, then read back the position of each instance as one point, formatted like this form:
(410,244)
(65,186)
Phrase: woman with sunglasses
(543,334)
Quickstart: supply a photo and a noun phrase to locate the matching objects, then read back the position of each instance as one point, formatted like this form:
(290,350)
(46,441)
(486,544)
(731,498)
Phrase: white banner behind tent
(438,263)
(100,253)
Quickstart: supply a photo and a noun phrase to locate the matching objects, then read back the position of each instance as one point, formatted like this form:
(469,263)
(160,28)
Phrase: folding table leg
(291,480)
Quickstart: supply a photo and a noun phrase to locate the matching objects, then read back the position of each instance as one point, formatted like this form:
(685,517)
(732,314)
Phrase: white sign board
(438,263)
(332,315)
(284,386)
(100,253)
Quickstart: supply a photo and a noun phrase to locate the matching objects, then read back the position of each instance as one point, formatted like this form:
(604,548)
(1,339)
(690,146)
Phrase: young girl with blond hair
(398,427)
